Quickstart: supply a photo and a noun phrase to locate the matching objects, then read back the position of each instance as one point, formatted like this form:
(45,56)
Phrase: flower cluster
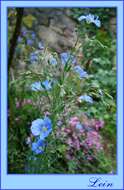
(82,134)
(91,19)
(30,39)
(28,36)
(65,57)
(40,129)
(47,85)
(23,103)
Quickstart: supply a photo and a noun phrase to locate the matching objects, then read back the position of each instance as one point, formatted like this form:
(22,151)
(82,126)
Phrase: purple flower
(41,127)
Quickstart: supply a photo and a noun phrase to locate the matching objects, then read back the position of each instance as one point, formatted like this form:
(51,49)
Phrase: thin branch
(14,38)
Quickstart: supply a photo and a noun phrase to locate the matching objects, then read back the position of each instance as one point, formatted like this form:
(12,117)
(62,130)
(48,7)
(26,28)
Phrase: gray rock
(55,28)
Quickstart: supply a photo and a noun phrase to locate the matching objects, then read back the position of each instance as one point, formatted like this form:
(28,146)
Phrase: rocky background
(56,28)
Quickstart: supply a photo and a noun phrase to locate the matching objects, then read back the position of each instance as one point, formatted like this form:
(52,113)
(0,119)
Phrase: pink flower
(67,130)
(69,142)
(69,156)
(29,101)
(76,144)
(74,135)
(93,140)
(89,158)
(25,102)
(18,104)
(47,113)
(99,124)
(74,121)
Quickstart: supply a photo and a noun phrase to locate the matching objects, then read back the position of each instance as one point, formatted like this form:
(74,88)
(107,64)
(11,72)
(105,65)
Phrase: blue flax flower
(90,19)
(20,39)
(33,57)
(40,45)
(38,147)
(41,127)
(47,85)
(33,35)
(53,61)
(24,31)
(29,42)
(80,71)
(38,86)
(66,56)
(85,98)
